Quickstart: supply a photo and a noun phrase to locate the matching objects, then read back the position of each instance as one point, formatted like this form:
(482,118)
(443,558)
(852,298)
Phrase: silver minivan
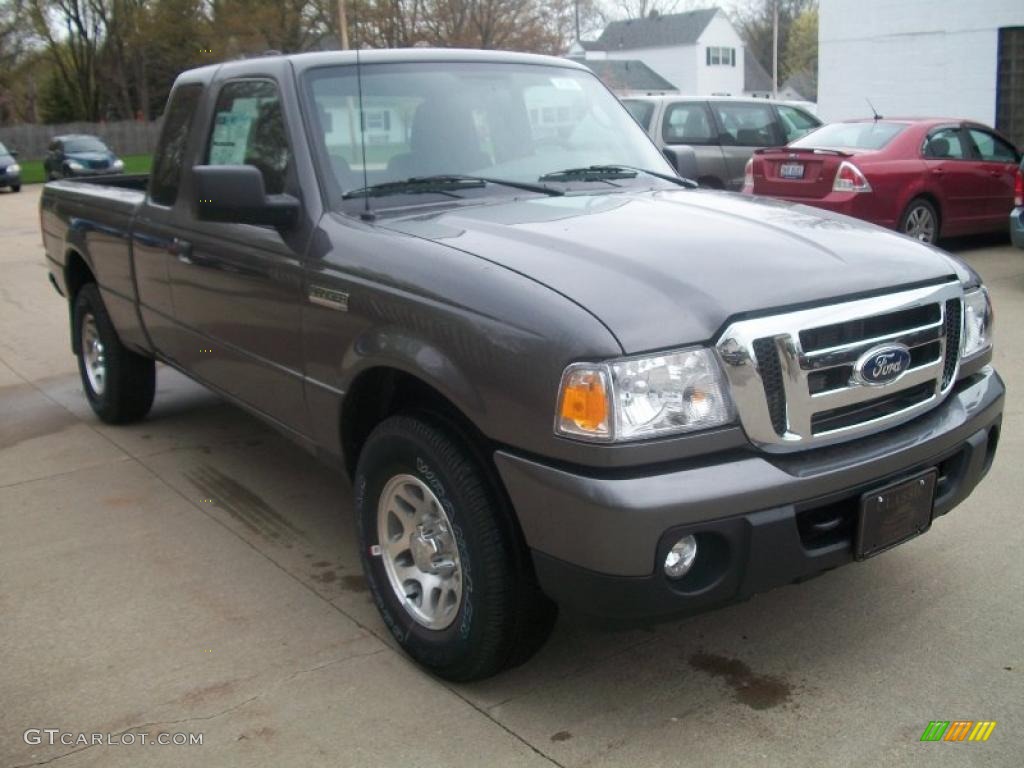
(710,138)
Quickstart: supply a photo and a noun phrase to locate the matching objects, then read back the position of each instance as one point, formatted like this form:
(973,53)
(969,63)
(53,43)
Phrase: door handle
(996,174)
(938,171)
(182,249)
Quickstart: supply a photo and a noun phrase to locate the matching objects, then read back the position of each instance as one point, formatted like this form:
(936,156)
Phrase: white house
(698,52)
(934,58)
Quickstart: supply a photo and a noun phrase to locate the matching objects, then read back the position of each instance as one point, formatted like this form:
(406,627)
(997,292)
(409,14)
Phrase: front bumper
(10,179)
(1017,227)
(597,539)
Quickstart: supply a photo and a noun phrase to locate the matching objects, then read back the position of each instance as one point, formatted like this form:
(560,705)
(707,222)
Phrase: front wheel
(118,383)
(920,221)
(15,187)
(444,560)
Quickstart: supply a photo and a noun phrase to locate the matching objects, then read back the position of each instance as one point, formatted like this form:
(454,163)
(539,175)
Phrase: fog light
(680,558)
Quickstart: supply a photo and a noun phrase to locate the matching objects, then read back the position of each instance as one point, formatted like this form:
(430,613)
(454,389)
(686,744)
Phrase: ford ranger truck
(555,372)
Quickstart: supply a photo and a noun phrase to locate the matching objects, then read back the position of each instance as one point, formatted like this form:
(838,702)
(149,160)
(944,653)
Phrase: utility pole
(774,49)
(576,5)
(343,25)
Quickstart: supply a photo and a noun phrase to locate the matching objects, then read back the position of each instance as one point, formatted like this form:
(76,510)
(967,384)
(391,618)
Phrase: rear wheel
(118,383)
(445,563)
(920,221)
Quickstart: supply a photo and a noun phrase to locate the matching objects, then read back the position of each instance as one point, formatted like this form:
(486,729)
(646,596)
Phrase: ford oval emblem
(882,365)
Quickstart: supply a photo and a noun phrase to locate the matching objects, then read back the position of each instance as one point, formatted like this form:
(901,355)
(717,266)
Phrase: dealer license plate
(895,513)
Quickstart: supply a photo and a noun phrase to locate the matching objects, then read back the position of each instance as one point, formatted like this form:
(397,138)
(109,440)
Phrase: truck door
(237,288)
(154,243)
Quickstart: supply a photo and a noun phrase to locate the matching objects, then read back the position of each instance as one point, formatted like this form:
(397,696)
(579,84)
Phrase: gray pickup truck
(555,372)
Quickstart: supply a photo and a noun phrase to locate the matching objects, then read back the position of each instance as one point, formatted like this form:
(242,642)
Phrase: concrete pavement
(196,573)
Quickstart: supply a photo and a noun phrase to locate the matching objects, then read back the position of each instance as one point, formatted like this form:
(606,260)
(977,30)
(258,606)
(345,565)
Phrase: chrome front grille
(793,379)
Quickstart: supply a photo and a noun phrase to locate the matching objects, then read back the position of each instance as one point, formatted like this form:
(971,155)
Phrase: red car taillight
(850,179)
(1018,189)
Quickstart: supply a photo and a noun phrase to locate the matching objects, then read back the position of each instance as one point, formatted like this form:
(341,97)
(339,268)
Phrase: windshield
(641,111)
(507,122)
(3,149)
(874,135)
(85,144)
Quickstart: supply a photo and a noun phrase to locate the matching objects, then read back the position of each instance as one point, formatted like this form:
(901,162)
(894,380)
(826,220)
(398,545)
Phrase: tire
(501,617)
(920,221)
(118,383)
(15,187)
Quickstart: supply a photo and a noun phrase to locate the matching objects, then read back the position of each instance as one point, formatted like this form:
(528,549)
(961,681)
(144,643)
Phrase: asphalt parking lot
(196,573)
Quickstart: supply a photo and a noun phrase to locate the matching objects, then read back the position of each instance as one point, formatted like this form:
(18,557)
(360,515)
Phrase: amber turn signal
(584,408)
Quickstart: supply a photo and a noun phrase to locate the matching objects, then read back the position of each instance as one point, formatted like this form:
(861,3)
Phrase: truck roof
(305,61)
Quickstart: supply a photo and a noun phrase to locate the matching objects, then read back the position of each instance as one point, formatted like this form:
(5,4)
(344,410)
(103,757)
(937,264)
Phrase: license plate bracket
(791,170)
(895,513)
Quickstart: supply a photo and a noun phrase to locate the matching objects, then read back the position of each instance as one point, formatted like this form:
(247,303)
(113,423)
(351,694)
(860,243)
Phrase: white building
(928,58)
(698,52)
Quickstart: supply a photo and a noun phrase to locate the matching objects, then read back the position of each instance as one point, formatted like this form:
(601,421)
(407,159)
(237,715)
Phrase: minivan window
(249,129)
(687,123)
(642,111)
(872,135)
(163,183)
(795,122)
(746,125)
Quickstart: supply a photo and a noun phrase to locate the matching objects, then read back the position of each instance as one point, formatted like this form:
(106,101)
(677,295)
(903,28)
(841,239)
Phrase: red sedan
(926,178)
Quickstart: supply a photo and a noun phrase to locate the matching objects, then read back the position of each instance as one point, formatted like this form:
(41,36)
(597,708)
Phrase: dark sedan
(79,155)
(10,171)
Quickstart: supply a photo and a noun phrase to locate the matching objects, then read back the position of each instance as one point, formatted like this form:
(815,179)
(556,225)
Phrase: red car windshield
(873,135)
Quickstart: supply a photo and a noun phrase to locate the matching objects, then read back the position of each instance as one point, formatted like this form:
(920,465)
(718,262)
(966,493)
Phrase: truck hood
(666,268)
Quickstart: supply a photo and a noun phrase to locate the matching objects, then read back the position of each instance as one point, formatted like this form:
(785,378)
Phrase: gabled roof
(628,75)
(655,31)
(755,77)
(803,85)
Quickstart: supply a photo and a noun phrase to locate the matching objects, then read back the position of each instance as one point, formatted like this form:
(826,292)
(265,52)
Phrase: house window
(718,56)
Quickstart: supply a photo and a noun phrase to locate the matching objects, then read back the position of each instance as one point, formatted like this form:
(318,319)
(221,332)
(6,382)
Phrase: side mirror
(235,194)
(12,152)
(683,159)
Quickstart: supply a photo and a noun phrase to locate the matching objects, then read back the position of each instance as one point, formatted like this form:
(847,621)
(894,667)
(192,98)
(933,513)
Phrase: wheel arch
(383,390)
(77,273)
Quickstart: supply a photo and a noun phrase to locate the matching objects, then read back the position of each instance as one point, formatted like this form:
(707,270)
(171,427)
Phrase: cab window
(249,129)
(746,125)
(170,151)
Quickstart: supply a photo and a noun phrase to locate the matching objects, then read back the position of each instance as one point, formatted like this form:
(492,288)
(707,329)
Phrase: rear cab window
(688,122)
(867,135)
(170,150)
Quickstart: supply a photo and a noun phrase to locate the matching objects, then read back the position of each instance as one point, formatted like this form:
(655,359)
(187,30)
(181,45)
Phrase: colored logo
(882,365)
(958,730)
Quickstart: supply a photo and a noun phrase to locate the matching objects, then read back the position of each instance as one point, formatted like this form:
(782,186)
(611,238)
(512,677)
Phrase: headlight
(639,397)
(74,165)
(14,168)
(117,165)
(977,323)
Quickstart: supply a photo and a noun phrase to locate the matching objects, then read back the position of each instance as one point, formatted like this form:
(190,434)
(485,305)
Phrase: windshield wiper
(446,184)
(609,172)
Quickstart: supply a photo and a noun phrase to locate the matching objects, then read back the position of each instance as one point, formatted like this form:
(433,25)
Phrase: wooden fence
(125,137)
